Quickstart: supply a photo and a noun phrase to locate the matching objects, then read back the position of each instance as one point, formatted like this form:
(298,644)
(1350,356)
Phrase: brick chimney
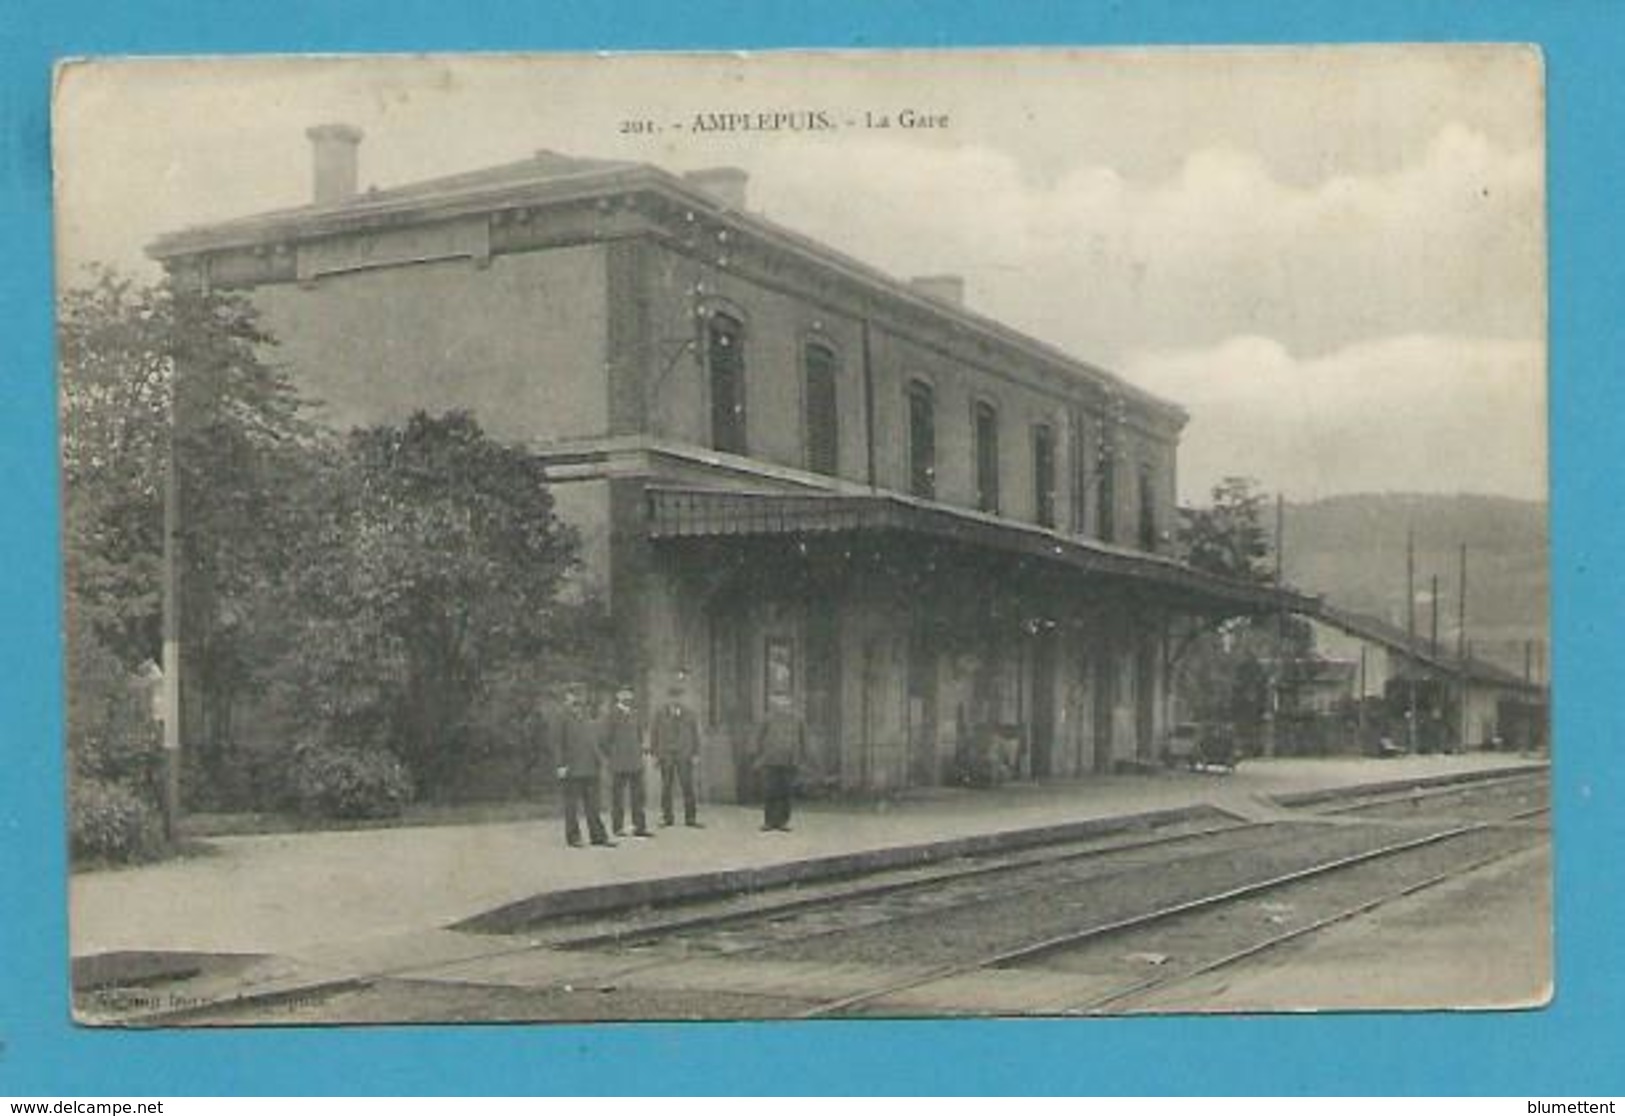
(726,184)
(943,288)
(333,162)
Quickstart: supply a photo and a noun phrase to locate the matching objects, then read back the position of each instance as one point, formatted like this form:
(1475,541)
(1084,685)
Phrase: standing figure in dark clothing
(780,744)
(580,762)
(623,744)
(675,738)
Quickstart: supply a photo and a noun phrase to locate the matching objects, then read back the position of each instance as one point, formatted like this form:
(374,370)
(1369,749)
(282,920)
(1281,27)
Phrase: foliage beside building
(361,613)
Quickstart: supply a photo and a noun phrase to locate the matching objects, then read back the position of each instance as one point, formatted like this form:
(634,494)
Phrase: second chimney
(726,184)
(943,288)
(333,162)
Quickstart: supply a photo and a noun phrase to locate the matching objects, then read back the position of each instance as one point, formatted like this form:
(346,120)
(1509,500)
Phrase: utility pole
(1410,588)
(1359,705)
(1280,536)
(1461,641)
(1433,598)
(1410,638)
(171,694)
(1278,675)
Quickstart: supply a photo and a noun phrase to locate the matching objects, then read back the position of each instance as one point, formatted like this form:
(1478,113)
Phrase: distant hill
(1352,550)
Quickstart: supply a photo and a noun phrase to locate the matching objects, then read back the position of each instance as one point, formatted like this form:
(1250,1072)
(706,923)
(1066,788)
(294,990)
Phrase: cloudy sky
(1334,257)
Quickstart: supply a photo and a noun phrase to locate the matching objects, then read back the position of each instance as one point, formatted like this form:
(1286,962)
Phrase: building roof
(549,177)
(1381,632)
(679,513)
(413,199)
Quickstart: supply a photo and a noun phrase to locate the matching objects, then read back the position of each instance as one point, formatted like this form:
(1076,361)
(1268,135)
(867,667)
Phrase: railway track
(1033,951)
(893,884)
(1398,802)
(887,886)
(1141,989)
(891,908)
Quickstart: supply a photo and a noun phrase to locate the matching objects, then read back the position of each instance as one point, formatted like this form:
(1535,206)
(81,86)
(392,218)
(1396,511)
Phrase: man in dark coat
(780,744)
(623,744)
(580,762)
(675,738)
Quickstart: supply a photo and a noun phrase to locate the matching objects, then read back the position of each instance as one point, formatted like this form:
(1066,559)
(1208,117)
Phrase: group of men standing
(588,742)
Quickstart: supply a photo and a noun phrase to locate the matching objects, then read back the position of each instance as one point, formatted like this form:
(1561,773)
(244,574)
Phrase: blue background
(1572,1048)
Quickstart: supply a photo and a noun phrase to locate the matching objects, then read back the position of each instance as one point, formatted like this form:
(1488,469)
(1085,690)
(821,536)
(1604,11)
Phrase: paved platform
(360,894)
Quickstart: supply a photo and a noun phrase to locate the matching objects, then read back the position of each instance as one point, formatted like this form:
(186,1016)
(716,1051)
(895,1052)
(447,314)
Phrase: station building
(948,543)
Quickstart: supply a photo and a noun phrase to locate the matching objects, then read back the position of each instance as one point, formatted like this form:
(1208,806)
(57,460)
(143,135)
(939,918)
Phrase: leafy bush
(340,782)
(114,754)
(112,734)
(108,821)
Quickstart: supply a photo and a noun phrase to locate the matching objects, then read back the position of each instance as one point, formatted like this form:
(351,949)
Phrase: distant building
(1316,683)
(1480,704)
(792,473)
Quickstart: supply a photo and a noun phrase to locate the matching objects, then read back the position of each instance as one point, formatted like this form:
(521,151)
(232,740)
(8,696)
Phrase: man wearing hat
(623,744)
(580,762)
(675,738)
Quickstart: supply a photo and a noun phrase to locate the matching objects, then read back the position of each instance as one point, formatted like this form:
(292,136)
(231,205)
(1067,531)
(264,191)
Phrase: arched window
(725,357)
(1044,474)
(987,457)
(1148,508)
(1107,480)
(922,440)
(1079,487)
(823,417)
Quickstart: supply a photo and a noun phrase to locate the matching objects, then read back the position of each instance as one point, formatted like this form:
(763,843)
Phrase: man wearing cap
(623,744)
(675,737)
(580,762)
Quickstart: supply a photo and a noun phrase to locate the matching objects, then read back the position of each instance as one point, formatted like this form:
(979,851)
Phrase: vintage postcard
(1043,532)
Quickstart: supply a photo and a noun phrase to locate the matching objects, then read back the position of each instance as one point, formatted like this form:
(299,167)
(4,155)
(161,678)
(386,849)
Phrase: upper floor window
(1044,475)
(987,457)
(1148,508)
(922,440)
(1078,453)
(823,419)
(725,358)
(1107,482)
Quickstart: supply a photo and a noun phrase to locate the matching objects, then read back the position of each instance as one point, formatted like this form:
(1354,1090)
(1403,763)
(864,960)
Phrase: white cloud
(1104,265)
(1411,413)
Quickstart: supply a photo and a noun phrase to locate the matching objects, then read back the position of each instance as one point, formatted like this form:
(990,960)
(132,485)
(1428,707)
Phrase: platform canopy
(718,513)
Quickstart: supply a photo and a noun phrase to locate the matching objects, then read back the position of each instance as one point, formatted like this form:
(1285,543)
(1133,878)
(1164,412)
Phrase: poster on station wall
(1129,468)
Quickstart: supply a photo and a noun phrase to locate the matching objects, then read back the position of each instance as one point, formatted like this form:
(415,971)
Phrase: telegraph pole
(1410,637)
(1359,707)
(1461,639)
(1433,598)
(1410,588)
(171,694)
(1271,736)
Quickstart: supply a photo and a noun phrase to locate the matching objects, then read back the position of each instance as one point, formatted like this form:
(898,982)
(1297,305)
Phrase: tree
(155,376)
(1228,537)
(138,363)
(436,570)
(1221,674)
(398,588)
(114,403)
